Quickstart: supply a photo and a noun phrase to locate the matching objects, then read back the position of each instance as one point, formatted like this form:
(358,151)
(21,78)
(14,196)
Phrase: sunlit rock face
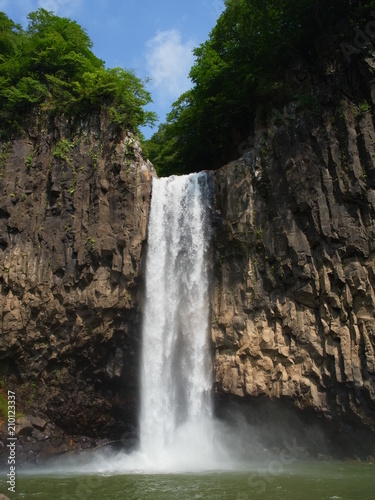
(293,302)
(73,220)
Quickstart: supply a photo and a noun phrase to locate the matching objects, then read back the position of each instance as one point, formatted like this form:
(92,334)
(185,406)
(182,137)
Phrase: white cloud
(169,60)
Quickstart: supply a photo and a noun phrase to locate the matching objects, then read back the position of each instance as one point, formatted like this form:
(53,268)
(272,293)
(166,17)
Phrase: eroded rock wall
(294,236)
(74,204)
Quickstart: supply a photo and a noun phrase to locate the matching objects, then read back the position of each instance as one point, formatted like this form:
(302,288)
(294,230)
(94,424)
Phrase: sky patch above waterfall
(155,39)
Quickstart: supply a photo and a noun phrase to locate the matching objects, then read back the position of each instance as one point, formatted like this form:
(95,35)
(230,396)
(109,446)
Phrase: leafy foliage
(242,61)
(51,64)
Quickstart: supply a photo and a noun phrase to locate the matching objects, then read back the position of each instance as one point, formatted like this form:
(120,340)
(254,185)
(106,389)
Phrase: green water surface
(302,481)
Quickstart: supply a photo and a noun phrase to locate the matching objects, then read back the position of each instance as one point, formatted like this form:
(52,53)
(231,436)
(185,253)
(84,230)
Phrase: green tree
(51,64)
(241,63)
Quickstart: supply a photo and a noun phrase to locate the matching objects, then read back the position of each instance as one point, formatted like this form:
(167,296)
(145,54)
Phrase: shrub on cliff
(51,64)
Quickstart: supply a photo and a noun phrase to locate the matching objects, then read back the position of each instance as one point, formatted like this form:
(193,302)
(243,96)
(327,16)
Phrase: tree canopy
(242,61)
(51,64)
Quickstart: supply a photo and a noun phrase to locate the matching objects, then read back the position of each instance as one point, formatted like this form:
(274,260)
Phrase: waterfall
(178,432)
(176,378)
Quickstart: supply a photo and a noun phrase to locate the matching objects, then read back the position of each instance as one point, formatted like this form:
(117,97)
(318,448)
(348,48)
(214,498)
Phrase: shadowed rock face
(74,204)
(294,235)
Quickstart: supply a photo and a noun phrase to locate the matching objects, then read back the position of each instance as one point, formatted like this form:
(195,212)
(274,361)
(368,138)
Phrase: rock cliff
(293,300)
(293,297)
(73,218)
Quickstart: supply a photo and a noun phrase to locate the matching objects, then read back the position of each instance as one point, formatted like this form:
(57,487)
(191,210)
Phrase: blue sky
(155,38)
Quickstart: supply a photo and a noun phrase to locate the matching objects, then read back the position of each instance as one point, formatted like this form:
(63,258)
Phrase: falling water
(176,409)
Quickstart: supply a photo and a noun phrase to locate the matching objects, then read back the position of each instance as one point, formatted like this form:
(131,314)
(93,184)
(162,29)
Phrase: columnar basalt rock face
(293,300)
(294,236)
(73,218)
